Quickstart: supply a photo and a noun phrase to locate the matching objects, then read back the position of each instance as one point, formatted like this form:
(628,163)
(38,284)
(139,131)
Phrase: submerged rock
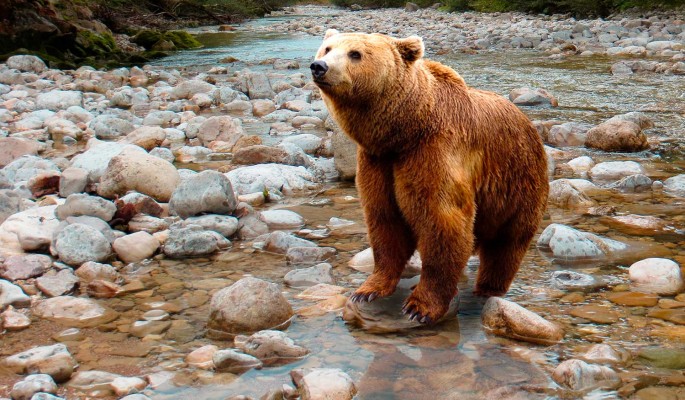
(364,262)
(234,362)
(248,306)
(271,347)
(193,241)
(284,178)
(74,311)
(579,375)
(505,318)
(568,244)
(326,383)
(572,280)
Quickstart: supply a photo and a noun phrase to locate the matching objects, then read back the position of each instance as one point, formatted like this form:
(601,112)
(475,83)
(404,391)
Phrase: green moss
(94,43)
(180,39)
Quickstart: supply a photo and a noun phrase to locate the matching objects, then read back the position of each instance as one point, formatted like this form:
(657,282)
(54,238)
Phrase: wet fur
(442,167)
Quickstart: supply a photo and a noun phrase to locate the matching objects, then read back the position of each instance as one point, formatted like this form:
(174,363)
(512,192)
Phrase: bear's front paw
(425,309)
(375,286)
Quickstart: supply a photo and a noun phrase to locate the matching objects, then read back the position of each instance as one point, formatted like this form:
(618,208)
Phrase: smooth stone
(82,204)
(29,230)
(633,299)
(505,318)
(327,383)
(32,384)
(279,242)
(69,335)
(74,311)
(59,284)
(91,271)
(156,315)
(384,315)
(282,219)
(94,383)
(72,181)
(270,347)
(633,183)
(56,100)
(569,244)
(677,315)
(12,320)
(54,360)
(308,255)
(97,156)
(193,241)
(614,170)
(581,165)
(273,177)
(579,375)
(24,266)
(144,328)
(206,192)
(11,148)
(147,137)
(532,97)
(364,262)
(662,357)
(110,127)
(304,277)
(135,247)
(321,291)
(221,128)
(12,295)
(124,385)
(146,223)
(26,167)
(675,185)
(248,306)
(79,243)
(563,193)
(638,224)
(137,203)
(26,63)
(605,354)
(203,357)
(595,313)
(617,135)
(226,225)
(656,275)
(234,362)
(572,280)
(568,134)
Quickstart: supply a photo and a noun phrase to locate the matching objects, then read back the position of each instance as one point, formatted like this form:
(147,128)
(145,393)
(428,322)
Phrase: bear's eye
(327,50)
(355,55)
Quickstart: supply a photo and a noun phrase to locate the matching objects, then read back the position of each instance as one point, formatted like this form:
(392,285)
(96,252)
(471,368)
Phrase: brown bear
(442,167)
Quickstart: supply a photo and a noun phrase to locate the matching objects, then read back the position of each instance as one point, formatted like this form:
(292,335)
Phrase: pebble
(605,354)
(61,283)
(93,383)
(279,242)
(193,241)
(505,318)
(308,255)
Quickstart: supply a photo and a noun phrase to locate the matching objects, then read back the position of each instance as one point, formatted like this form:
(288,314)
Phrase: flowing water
(455,360)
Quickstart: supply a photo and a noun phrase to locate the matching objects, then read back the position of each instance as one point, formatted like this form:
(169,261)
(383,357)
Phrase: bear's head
(360,66)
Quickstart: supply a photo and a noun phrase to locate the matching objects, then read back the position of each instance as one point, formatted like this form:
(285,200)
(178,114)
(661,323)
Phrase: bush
(382,3)
(578,8)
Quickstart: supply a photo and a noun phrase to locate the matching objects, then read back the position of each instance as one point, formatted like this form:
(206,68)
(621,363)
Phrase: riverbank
(136,205)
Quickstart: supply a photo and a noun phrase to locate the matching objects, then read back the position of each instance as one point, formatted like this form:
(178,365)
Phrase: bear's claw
(363,297)
(415,315)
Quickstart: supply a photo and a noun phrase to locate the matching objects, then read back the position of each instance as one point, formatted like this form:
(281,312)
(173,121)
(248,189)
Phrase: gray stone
(284,178)
(193,241)
(186,89)
(579,375)
(614,170)
(79,243)
(308,255)
(12,295)
(57,285)
(282,219)
(98,155)
(206,192)
(29,230)
(32,384)
(26,63)
(91,271)
(258,86)
(575,281)
(270,347)
(26,167)
(568,134)
(110,127)
(54,360)
(221,128)
(226,225)
(93,383)
(568,244)
(73,180)
(248,306)
(24,266)
(305,277)
(82,204)
(280,242)
(11,203)
(234,362)
(344,152)
(327,383)
(56,100)
(633,183)
(675,185)
(532,97)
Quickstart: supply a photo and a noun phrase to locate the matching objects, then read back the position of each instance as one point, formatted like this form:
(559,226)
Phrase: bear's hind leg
(392,240)
(500,259)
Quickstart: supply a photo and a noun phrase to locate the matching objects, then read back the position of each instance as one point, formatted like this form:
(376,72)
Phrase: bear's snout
(319,68)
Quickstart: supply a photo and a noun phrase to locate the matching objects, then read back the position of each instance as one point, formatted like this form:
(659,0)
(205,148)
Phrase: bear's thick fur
(442,167)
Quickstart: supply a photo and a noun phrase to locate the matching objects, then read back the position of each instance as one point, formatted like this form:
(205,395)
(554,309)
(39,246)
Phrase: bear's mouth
(320,82)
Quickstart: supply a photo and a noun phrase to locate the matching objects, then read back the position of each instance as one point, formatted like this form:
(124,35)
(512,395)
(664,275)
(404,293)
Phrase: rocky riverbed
(177,233)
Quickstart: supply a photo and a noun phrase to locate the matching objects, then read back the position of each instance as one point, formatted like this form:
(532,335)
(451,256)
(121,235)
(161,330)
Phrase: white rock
(656,275)
(234,362)
(581,165)
(26,63)
(74,311)
(285,178)
(12,295)
(326,383)
(222,128)
(32,384)
(270,347)
(614,170)
(73,180)
(364,262)
(123,385)
(54,360)
(675,185)
(98,155)
(569,244)
(282,219)
(56,100)
(226,225)
(83,204)
(206,192)
(29,230)
(135,247)
(307,142)
(304,277)
(579,375)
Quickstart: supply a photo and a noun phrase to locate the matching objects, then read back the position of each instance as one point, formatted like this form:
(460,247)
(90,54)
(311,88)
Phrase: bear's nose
(319,69)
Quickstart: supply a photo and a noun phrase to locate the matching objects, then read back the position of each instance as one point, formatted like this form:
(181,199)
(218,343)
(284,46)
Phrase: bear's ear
(330,32)
(410,48)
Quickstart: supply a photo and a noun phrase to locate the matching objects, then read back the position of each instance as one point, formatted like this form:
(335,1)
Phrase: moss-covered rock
(180,39)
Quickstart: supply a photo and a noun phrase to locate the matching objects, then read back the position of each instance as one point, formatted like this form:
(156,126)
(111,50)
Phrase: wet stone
(12,320)
(279,242)
(74,311)
(24,266)
(298,278)
(202,357)
(575,281)
(206,192)
(309,255)
(282,219)
(676,315)
(144,328)
(633,299)
(326,383)
(364,262)
(505,318)
(123,385)
(193,241)
(656,275)
(579,375)
(234,361)
(662,357)
(94,383)
(384,315)
(596,313)
(605,354)
(321,291)
(32,384)
(91,271)
(270,347)
(54,360)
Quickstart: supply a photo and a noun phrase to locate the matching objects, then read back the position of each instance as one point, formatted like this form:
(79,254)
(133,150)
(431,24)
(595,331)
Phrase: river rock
(568,244)
(579,375)
(83,204)
(284,178)
(57,285)
(56,100)
(59,129)
(91,271)
(221,128)
(575,281)
(110,127)
(308,255)
(614,170)
(248,306)
(12,295)
(26,63)
(202,357)
(309,143)
(633,183)
(131,170)
(564,193)
(258,86)
(279,242)
(98,155)
(303,277)
(79,243)
(282,219)
(344,151)
(54,360)
(260,154)
(26,167)
(234,362)
(327,383)
(617,135)
(135,247)
(364,262)
(29,230)
(134,204)
(12,148)
(11,202)
(226,225)
(262,107)
(633,299)
(661,357)
(270,347)
(532,97)
(675,185)
(568,134)
(93,383)
(193,241)
(186,89)
(13,320)
(598,314)
(73,180)
(74,311)
(638,224)
(207,192)
(605,354)
(32,384)
(147,137)
(144,328)
(656,275)
(504,318)
(24,266)
(124,385)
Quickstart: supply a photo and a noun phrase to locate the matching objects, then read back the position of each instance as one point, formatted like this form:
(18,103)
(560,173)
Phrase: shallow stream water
(455,360)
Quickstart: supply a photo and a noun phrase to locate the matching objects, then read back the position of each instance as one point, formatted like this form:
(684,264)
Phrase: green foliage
(578,8)
(382,3)
(180,39)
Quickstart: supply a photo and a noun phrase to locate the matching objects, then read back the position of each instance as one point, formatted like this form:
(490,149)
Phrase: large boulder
(206,192)
(285,178)
(79,243)
(98,155)
(143,173)
(617,135)
(248,306)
